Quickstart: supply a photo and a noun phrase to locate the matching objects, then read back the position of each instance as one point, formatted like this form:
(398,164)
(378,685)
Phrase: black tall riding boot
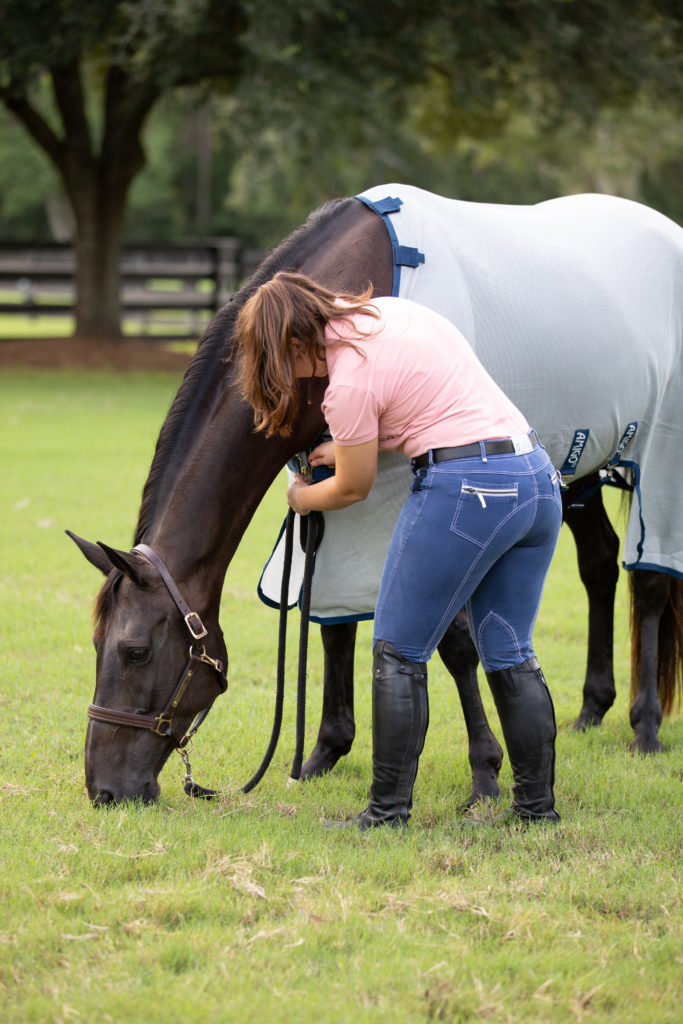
(527,718)
(400,715)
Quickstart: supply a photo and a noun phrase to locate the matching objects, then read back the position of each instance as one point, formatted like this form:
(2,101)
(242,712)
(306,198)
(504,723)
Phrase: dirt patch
(87,354)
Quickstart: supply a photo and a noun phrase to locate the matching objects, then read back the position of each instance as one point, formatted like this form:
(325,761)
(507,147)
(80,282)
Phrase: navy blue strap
(403,255)
(575,452)
(407,256)
(383,206)
(625,441)
(607,479)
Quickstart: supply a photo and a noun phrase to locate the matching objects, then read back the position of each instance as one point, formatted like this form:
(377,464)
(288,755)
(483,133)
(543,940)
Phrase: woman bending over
(478,527)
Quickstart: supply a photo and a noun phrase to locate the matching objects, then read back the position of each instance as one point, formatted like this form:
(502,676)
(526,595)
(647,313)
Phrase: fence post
(226,263)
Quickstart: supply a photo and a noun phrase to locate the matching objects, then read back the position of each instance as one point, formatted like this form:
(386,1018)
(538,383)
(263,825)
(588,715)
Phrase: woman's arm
(355,472)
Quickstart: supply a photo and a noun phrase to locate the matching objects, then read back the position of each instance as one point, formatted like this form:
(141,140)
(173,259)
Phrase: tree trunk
(97,180)
(99,220)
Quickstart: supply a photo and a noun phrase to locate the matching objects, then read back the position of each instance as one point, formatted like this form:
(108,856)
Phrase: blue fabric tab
(626,439)
(389,205)
(407,256)
(575,452)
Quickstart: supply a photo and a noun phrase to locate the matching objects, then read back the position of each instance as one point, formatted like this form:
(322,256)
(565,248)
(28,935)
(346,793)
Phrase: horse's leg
(337,724)
(597,548)
(459,655)
(650,591)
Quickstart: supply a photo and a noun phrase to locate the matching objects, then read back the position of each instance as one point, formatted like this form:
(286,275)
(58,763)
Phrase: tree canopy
(107,64)
(312,95)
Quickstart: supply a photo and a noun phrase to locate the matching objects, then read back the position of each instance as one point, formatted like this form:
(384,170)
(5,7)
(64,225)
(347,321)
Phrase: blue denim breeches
(476,533)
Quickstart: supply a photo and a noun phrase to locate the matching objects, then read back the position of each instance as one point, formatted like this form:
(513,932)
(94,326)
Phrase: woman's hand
(355,471)
(323,455)
(295,488)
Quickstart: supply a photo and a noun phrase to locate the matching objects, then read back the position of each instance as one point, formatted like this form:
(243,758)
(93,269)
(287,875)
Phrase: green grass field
(248,908)
(172,323)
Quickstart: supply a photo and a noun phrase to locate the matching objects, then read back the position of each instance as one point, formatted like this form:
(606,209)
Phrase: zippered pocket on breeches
(481,509)
(489,492)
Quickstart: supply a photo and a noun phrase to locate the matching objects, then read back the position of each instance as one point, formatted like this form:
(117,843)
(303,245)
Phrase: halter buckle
(160,723)
(195,626)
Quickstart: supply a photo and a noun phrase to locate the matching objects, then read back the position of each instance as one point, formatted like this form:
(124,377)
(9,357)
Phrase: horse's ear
(130,564)
(92,552)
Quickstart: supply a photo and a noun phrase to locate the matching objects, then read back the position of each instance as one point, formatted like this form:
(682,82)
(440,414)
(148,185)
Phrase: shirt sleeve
(352,414)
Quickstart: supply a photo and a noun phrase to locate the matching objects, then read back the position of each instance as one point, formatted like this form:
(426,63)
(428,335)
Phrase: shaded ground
(79,353)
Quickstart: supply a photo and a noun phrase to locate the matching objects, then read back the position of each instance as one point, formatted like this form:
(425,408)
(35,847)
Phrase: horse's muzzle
(147,794)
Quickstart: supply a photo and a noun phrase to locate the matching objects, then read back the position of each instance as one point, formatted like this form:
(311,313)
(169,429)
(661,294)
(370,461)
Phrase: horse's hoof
(484,811)
(490,791)
(587,720)
(319,764)
(646,746)
(291,783)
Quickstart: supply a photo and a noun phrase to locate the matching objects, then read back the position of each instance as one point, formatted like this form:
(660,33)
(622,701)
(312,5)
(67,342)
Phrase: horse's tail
(669,647)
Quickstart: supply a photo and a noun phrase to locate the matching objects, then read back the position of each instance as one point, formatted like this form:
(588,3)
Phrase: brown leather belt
(505,446)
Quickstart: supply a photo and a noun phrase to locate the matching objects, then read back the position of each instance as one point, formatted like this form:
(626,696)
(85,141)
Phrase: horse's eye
(138,655)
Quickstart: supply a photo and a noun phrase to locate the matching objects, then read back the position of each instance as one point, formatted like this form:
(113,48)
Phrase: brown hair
(283,320)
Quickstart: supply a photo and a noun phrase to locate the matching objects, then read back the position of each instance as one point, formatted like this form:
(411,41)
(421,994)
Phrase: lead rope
(313,537)
(191,787)
(281,646)
(314,523)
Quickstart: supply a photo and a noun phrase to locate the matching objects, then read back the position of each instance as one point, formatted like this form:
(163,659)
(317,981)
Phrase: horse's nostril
(103,797)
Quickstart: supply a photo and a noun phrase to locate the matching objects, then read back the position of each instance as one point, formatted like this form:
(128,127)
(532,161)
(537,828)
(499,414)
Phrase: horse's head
(147,648)
(143,705)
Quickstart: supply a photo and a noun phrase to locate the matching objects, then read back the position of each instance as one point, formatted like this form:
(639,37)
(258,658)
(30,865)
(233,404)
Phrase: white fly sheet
(575,307)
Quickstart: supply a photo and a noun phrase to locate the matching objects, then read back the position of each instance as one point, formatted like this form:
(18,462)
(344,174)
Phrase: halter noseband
(162,724)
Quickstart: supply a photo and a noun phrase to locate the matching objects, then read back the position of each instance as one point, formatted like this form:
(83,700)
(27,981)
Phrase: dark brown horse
(162,599)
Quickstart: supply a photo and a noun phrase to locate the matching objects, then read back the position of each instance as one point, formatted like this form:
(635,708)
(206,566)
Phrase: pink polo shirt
(420,385)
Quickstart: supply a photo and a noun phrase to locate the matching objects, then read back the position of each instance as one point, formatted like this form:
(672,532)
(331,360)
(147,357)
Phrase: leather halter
(162,724)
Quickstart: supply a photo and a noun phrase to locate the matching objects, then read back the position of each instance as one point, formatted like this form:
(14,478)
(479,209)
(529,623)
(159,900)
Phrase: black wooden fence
(166,290)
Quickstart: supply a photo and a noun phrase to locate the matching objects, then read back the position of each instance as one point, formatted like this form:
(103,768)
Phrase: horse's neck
(218,468)
(212,489)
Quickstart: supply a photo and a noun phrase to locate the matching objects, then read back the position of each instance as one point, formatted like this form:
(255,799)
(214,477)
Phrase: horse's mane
(206,368)
(215,348)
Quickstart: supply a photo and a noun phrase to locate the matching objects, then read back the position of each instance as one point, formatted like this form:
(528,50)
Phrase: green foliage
(190,155)
(494,103)
(249,908)
(26,182)
(107,65)
(491,102)
(157,42)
